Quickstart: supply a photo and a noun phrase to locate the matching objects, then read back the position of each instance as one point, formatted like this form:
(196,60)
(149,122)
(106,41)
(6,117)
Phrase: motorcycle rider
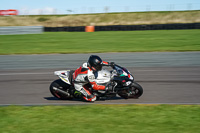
(86,74)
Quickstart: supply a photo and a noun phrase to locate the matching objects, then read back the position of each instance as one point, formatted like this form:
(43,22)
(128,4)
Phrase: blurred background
(99,12)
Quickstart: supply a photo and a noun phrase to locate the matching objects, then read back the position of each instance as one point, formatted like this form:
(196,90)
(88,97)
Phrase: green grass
(100,119)
(113,41)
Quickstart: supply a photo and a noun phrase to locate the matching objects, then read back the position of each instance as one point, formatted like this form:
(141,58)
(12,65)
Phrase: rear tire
(62,86)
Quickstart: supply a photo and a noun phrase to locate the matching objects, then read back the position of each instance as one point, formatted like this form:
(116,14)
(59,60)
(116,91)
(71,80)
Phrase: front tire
(135,91)
(59,84)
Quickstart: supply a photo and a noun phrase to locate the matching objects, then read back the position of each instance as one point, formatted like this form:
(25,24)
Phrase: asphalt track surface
(167,77)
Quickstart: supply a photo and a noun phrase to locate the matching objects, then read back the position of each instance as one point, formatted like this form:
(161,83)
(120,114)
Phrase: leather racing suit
(84,75)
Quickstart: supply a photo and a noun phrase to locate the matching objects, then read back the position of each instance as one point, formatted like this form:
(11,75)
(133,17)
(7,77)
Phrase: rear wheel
(59,84)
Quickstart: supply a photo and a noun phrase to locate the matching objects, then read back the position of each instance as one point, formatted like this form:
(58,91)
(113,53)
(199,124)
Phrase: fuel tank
(103,77)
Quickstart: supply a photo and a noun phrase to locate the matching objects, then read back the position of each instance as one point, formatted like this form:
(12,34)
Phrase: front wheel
(60,90)
(134,91)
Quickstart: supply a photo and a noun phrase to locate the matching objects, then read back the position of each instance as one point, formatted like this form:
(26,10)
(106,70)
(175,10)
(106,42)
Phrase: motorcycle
(120,78)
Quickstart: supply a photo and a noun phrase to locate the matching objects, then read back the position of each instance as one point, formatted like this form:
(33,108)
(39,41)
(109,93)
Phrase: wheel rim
(134,92)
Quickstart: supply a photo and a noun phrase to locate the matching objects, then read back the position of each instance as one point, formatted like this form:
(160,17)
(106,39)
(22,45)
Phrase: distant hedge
(126,27)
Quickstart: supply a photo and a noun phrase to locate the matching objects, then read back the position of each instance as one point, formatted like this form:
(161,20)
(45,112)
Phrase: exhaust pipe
(61,91)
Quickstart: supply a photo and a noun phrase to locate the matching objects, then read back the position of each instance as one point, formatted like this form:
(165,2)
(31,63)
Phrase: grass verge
(114,41)
(100,118)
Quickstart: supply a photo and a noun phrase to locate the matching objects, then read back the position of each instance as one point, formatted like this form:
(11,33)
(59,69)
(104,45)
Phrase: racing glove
(112,64)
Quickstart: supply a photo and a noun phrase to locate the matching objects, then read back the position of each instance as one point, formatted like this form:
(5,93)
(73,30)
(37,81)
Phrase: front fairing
(123,73)
(122,81)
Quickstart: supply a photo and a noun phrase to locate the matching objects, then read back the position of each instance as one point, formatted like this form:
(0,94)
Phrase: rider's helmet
(95,62)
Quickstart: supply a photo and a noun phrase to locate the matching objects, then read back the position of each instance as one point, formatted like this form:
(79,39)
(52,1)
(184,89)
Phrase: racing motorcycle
(120,78)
